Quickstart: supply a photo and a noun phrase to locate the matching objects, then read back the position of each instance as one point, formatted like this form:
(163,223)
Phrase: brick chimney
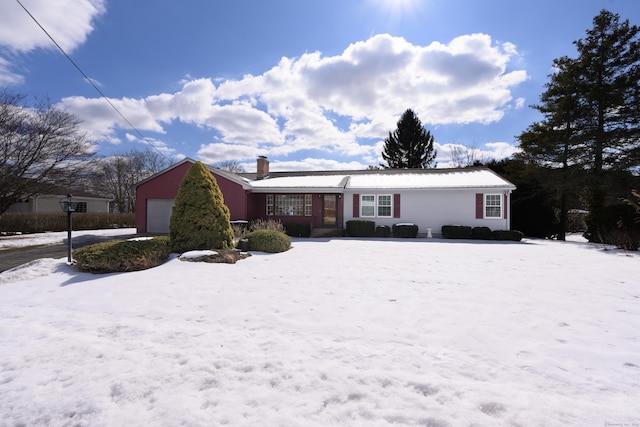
(263,167)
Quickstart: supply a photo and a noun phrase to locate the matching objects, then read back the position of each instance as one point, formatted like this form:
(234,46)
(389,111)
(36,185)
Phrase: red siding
(166,185)
(396,206)
(234,197)
(356,205)
(479,205)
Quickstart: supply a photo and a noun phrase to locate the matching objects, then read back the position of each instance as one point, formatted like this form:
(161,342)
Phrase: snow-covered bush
(268,241)
(200,219)
(405,230)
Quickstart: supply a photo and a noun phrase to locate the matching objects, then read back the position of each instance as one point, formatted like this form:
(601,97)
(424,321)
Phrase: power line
(88,79)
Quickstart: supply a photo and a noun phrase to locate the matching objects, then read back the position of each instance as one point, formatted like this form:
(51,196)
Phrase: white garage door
(158,215)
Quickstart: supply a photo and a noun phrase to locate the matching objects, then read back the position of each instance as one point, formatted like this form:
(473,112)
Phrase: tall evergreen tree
(410,146)
(553,145)
(609,85)
(200,219)
(591,115)
(609,66)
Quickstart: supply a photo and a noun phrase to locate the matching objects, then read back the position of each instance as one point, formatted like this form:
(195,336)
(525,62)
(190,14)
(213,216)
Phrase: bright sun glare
(397,7)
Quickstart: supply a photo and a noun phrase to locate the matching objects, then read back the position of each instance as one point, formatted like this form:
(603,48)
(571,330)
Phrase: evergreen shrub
(481,233)
(383,231)
(268,241)
(298,230)
(122,255)
(360,228)
(619,227)
(200,219)
(513,235)
(456,232)
(405,230)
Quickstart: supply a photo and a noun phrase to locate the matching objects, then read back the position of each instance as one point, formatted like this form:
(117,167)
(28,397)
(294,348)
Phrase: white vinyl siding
(431,209)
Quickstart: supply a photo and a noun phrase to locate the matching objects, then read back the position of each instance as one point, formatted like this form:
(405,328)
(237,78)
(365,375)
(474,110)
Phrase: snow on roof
(304,181)
(457,178)
(454,178)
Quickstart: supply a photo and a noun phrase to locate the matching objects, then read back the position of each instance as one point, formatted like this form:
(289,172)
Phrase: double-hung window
(384,206)
(492,206)
(81,207)
(368,205)
(376,206)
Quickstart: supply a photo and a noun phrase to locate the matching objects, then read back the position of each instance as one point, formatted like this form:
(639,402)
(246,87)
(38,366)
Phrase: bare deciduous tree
(462,157)
(41,146)
(116,176)
(230,166)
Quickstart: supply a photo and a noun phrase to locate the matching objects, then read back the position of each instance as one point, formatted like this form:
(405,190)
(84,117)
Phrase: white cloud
(313,164)
(501,150)
(456,155)
(340,105)
(7,76)
(159,146)
(219,152)
(69,23)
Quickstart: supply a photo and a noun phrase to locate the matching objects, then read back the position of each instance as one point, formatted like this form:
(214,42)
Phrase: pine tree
(410,146)
(200,219)
(609,84)
(591,115)
(553,144)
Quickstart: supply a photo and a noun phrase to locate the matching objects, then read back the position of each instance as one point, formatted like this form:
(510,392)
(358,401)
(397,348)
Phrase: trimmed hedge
(513,235)
(122,255)
(405,230)
(481,233)
(24,222)
(268,241)
(383,231)
(298,230)
(361,228)
(456,232)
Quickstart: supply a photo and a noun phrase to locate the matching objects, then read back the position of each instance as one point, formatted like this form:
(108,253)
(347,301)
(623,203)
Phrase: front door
(329,209)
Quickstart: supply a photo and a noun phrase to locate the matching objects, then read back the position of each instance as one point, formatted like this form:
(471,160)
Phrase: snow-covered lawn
(332,332)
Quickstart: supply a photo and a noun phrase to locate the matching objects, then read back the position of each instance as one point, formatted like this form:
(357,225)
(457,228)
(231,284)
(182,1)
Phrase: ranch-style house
(326,200)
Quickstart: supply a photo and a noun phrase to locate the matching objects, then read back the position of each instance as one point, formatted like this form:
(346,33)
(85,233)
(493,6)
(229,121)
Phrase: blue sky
(311,84)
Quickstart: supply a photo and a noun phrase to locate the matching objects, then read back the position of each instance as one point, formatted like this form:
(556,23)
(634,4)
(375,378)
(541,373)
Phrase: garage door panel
(158,215)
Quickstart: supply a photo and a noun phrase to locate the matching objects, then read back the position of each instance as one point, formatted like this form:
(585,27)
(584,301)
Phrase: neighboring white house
(45,203)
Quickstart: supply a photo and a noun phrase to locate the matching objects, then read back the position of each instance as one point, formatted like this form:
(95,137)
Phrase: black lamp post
(68,205)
